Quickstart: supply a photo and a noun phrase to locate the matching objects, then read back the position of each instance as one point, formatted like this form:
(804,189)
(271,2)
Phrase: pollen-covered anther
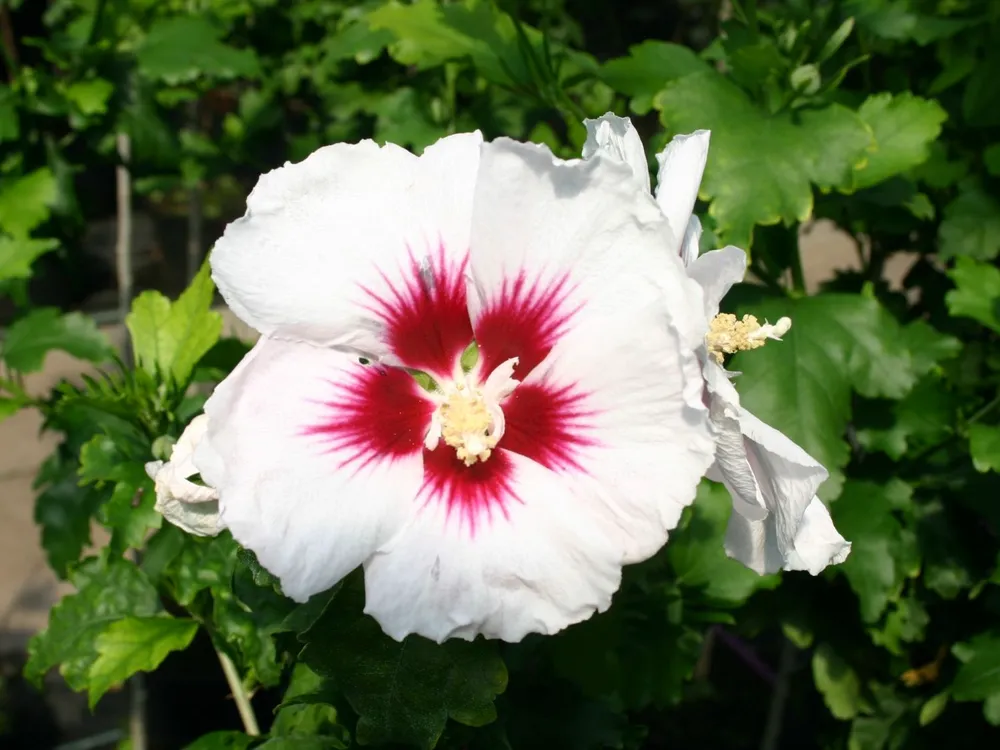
(467,426)
(728,334)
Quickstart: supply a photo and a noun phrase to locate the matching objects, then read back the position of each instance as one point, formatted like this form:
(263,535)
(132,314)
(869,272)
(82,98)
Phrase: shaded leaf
(402,692)
(971,227)
(984,445)
(42,331)
(977,292)
(185,48)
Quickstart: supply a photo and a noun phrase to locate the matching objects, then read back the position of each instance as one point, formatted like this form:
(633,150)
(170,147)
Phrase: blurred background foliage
(882,116)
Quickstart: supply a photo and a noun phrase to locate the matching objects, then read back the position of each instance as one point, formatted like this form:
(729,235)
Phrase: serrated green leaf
(135,644)
(647,68)
(18,253)
(761,168)
(925,416)
(41,331)
(802,385)
(402,692)
(63,510)
(984,445)
(184,48)
(25,202)
(977,292)
(904,126)
(170,338)
(837,683)
(979,676)
(697,555)
(90,96)
(107,591)
(308,720)
(882,553)
(971,227)
(904,623)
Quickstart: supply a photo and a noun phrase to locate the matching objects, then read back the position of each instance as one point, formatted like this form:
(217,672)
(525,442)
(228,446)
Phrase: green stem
(798,278)
(239,694)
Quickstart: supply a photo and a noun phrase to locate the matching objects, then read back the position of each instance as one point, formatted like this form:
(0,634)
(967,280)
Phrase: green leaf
(63,510)
(991,709)
(883,554)
(977,292)
(222,741)
(107,591)
(802,385)
(979,676)
(91,96)
(43,330)
(25,202)
(904,126)
(402,692)
(185,48)
(135,644)
(647,68)
(837,682)
(308,719)
(761,167)
(933,708)
(10,125)
(925,416)
(904,623)
(971,226)
(984,445)
(991,159)
(18,253)
(170,338)
(697,555)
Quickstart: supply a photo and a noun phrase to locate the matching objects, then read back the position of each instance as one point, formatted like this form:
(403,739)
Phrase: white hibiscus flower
(778,522)
(506,500)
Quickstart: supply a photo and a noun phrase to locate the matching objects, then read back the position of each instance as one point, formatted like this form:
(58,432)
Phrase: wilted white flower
(506,499)
(192,507)
(779,522)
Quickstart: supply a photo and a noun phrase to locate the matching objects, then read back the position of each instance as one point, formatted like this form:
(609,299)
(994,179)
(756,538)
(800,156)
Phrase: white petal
(192,507)
(716,271)
(610,317)
(682,164)
(537,567)
(797,533)
(322,237)
(690,248)
(617,137)
(312,476)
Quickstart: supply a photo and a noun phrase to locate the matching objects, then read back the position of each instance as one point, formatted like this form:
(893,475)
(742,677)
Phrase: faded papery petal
(316,458)
(682,164)
(326,243)
(617,137)
(192,507)
(606,435)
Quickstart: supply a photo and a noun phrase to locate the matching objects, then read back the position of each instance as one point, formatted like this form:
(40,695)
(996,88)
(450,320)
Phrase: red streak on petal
(375,414)
(472,494)
(523,320)
(425,312)
(549,425)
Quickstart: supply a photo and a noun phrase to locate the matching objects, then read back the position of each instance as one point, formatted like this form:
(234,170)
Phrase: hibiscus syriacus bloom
(505,499)
(778,522)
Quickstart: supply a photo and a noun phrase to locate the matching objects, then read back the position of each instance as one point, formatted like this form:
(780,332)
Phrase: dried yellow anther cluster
(465,425)
(728,334)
